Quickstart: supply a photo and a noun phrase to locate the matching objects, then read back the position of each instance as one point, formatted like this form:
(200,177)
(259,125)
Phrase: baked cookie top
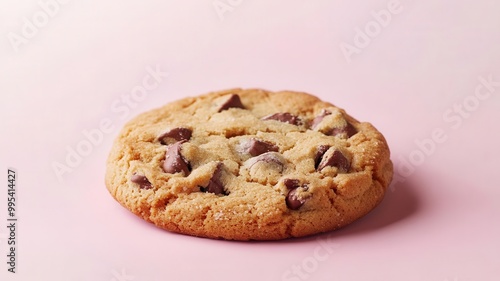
(249,165)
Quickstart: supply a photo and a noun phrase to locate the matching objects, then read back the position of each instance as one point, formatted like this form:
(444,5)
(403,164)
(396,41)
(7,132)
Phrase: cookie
(249,165)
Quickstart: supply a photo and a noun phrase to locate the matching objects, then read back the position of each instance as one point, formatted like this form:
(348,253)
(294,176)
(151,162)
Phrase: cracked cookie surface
(249,165)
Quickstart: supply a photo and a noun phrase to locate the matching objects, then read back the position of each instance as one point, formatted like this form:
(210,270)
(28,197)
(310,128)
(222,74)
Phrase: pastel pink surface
(419,80)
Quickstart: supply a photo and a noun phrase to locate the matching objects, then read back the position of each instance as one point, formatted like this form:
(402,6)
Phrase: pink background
(439,220)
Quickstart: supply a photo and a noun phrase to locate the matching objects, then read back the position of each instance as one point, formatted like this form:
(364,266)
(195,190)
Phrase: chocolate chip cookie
(249,165)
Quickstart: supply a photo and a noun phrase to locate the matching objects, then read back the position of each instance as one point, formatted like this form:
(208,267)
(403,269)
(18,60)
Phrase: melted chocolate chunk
(293,201)
(320,118)
(233,101)
(174,162)
(291,183)
(337,159)
(272,158)
(320,152)
(141,180)
(347,131)
(178,134)
(257,147)
(215,184)
(284,117)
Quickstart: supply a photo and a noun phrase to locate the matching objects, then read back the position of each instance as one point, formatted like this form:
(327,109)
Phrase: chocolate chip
(320,118)
(320,152)
(178,134)
(337,159)
(233,101)
(347,131)
(215,184)
(174,162)
(141,180)
(272,158)
(291,183)
(284,117)
(293,201)
(257,147)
